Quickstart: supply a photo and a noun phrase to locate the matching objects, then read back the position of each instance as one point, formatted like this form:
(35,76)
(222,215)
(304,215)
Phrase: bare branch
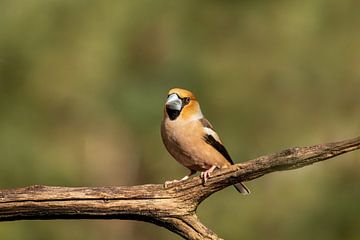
(173,207)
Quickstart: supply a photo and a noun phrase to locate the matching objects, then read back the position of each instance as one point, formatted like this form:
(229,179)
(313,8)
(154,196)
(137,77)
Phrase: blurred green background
(82,87)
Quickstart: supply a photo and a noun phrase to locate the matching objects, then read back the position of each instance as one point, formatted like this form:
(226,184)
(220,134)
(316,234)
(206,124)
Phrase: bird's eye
(186,100)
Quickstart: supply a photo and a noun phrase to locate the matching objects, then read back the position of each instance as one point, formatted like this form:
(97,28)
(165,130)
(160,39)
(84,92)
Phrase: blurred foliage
(82,85)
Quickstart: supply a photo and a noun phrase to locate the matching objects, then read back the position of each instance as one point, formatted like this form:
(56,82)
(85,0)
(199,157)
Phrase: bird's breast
(184,142)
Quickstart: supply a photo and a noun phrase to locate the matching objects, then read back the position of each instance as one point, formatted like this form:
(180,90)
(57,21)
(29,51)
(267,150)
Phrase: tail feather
(241,188)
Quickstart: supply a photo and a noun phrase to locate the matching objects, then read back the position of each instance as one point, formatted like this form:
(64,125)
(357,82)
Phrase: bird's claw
(167,183)
(206,174)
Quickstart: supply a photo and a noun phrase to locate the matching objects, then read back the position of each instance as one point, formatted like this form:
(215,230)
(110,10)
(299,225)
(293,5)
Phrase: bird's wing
(206,124)
(211,138)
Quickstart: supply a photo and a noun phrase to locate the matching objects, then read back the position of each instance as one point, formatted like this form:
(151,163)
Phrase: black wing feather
(209,139)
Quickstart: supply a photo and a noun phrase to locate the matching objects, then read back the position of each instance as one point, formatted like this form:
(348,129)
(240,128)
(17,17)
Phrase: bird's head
(182,103)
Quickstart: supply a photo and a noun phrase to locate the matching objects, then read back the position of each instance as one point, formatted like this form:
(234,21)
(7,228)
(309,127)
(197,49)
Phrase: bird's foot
(168,183)
(206,174)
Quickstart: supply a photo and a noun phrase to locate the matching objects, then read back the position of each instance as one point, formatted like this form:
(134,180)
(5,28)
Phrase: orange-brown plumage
(190,138)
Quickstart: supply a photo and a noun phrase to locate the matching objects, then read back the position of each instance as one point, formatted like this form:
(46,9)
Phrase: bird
(191,139)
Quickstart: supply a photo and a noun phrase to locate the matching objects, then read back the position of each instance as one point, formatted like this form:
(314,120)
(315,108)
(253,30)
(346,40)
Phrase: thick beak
(173,102)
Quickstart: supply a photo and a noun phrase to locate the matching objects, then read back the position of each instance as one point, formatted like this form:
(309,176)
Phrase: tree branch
(173,207)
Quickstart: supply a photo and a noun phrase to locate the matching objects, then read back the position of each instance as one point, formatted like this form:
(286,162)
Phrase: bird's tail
(241,188)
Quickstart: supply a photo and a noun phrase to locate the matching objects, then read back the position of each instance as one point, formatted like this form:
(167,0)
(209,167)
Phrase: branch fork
(173,207)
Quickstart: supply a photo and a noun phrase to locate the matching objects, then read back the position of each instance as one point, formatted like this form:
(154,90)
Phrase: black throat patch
(173,114)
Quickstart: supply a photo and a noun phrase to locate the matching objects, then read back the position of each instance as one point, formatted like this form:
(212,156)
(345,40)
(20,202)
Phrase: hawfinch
(191,139)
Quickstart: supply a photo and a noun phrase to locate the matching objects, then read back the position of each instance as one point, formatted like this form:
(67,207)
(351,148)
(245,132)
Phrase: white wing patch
(211,132)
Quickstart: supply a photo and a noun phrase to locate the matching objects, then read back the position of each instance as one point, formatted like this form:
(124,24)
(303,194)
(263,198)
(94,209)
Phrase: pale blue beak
(173,102)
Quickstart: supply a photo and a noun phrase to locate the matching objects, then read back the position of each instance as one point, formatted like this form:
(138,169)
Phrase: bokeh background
(82,87)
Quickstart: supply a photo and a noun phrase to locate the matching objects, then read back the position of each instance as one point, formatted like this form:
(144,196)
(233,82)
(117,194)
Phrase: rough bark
(173,207)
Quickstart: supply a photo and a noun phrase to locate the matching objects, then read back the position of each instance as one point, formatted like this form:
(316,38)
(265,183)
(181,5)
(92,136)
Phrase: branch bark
(173,208)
